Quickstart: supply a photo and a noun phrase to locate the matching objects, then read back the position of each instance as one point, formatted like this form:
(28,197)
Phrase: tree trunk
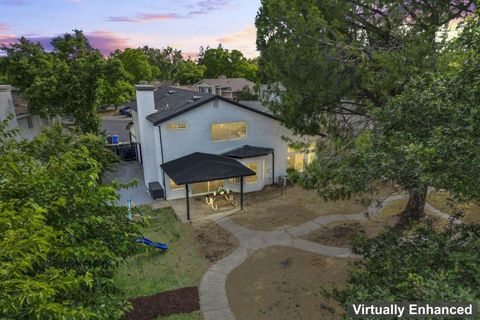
(416,203)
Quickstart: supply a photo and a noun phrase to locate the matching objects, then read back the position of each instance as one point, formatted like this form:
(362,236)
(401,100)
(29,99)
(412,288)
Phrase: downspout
(273,167)
(161,153)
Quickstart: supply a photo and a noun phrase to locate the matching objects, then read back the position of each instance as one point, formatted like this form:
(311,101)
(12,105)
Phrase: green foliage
(62,82)
(390,105)
(116,85)
(61,236)
(166,61)
(428,265)
(136,63)
(189,72)
(233,64)
(247,94)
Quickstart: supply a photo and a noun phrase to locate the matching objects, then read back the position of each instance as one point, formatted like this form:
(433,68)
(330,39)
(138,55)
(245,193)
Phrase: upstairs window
(179,125)
(229,131)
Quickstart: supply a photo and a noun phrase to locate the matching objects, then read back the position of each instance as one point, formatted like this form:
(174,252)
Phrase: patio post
(241,193)
(188,202)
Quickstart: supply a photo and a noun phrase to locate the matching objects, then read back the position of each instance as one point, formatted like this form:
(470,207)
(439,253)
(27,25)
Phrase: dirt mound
(184,300)
(214,242)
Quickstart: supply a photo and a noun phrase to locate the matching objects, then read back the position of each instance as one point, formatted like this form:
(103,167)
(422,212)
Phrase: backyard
(274,281)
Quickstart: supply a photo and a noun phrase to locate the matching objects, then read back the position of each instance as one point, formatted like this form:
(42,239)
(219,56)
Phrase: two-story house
(171,123)
(11,103)
(229,88)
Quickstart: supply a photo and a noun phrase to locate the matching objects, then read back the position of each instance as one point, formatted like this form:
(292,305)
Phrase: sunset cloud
(185,11)
(243,41)
(105,41)
(144,17)
(3,27)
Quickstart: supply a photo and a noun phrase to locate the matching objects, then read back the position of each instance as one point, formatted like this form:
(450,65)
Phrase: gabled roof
(201,167)
(236,84)
(171,102)
(247,151)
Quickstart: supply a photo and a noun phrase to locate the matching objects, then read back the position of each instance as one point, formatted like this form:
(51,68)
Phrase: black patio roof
(201,167)
(247,151)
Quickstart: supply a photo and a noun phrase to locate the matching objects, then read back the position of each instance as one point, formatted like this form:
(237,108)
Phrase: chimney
(147,131)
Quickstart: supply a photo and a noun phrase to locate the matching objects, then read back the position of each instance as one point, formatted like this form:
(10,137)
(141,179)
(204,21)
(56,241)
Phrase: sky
(112,24)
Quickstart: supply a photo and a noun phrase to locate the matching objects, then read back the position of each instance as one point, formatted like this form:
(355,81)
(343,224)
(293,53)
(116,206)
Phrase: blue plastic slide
(158,245)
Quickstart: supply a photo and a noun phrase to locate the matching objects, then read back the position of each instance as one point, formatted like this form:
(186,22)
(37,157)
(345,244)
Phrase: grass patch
(152,271)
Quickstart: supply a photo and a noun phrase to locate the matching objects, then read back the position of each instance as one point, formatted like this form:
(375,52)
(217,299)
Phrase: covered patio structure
(202,167)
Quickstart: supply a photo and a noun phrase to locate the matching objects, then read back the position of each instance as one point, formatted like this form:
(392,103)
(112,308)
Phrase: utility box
(156,190)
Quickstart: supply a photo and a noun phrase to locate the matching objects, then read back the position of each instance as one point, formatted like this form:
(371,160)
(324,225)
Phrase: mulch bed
(183,300)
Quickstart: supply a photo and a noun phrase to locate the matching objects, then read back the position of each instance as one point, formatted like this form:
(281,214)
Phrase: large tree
(348,68)
(136,63)
(64,81)
(233,64)
(61,235)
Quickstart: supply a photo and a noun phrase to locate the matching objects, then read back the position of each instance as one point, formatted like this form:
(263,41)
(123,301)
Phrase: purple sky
(183,24)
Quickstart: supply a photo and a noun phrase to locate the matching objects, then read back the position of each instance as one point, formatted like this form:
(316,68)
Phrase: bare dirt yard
(442,201)
(340,234)
(285,283)
(214,242)
(270,209)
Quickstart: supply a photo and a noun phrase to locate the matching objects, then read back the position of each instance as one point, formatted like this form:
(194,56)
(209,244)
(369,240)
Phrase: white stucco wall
(20,122)
(38,124)
(262,131)
(148,135)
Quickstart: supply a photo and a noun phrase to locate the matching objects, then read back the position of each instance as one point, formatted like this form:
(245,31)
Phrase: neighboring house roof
(235,84)
(247,151)
(171,102)
(201,167)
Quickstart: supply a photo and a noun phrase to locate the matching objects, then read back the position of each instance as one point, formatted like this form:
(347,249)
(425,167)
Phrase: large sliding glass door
(206,187)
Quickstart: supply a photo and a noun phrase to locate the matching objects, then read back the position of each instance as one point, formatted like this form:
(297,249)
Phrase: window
(254,167)
(263,169)
(229,131)
(174,186)
(206,187)
(299,156)
(295,160)
(177,125)
(234,180)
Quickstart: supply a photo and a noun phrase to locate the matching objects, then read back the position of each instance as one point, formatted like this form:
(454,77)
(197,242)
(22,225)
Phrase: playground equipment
(148,242)
(158,245)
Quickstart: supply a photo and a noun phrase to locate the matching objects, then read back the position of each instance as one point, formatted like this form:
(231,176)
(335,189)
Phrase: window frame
(172,183)
(255,163)
(176,125)
(230,139)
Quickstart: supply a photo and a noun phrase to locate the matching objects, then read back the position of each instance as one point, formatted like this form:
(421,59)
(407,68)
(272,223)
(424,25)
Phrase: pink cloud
(243,40)
(3,27)
(105,41)
(144,17)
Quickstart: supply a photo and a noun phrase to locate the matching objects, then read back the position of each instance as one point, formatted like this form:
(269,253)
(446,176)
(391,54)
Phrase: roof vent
(171,92)
(195,98)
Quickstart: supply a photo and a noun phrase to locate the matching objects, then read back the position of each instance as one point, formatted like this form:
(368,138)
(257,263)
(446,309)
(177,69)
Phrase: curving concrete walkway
(213,294)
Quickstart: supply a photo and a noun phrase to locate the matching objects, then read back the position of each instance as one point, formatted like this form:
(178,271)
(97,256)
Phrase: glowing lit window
(177,125)
(254,167)
(229,131)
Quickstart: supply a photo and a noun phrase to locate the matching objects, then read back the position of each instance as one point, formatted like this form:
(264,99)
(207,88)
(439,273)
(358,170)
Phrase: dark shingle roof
(247,151)
(200,167)
(172,101)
